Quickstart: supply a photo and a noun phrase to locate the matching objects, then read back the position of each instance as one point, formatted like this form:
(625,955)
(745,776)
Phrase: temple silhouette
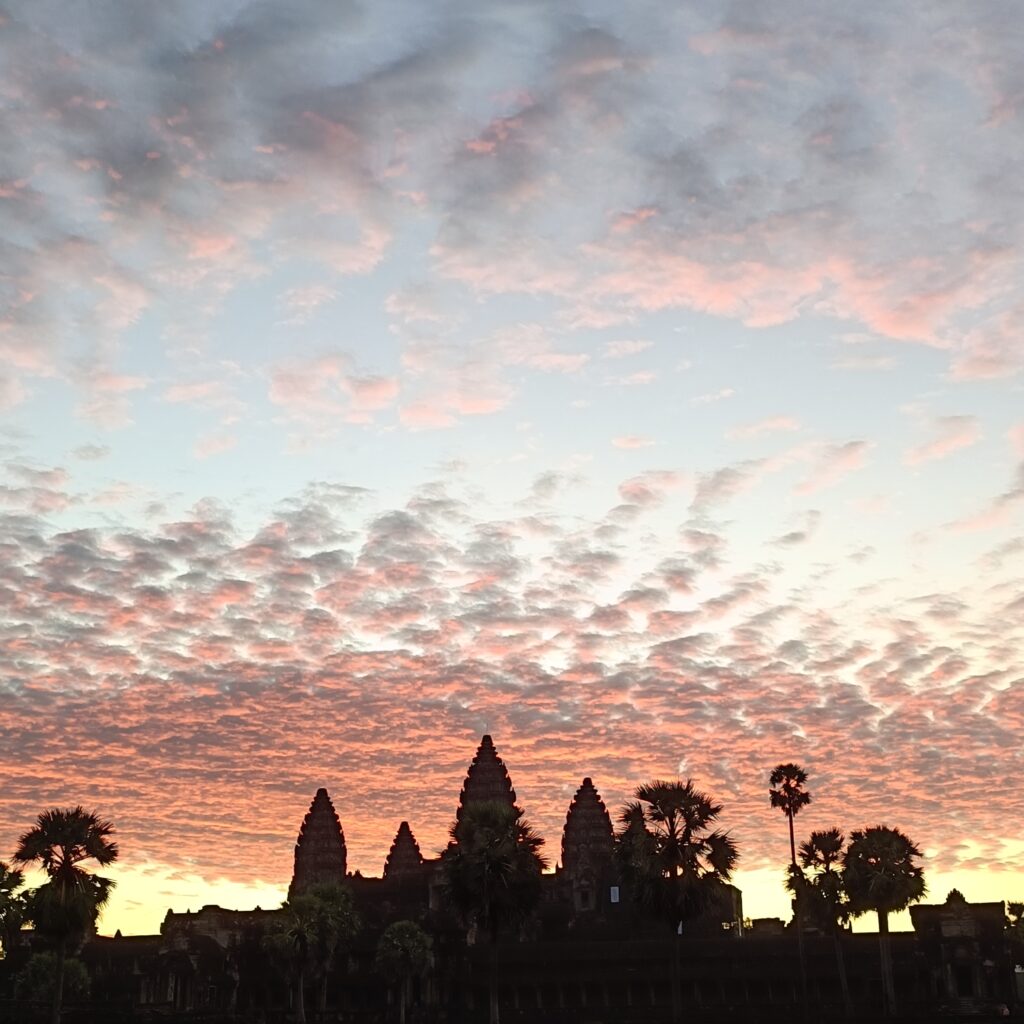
(587,953)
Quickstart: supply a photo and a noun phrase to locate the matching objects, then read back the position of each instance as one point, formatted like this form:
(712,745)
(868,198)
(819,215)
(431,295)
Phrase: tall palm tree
(492,872)
(403,953)
(12,905)
(786,790)
(66,907)
(675,862)
(879,874)
(822,893)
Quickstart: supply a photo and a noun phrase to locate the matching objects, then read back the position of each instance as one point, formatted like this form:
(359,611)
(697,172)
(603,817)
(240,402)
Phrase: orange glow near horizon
(241,861)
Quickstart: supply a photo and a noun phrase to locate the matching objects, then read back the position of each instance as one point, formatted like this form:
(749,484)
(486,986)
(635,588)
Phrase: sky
(640,384)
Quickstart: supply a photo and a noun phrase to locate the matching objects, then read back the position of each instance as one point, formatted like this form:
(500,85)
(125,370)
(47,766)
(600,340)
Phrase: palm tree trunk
(323,993)
(676,980)
(886,957)
(844,982)
(798,920)
(492,981)
(403,998)
(58,987)
(300,998)
(802,957)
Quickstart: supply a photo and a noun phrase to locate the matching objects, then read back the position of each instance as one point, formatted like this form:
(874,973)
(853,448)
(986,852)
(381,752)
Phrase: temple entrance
(963,981)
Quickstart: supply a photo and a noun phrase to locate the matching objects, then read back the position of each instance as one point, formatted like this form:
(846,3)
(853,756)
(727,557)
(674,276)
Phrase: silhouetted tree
(37,978)
(879,874)
(786,790)
(822,894)
(673,859)
(335,924)
(492,872)
(12,905)
(307,937)
(66,907)
(403,953)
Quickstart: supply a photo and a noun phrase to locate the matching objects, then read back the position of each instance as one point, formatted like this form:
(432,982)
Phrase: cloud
(325,390)
(713,396)
(214,444)
(802,534)
(953,433)
(769,425)
(414,229)
(622,349)
(632,441)
(91,452)
(835,462)
(722,484)
(172,659)
(304,301)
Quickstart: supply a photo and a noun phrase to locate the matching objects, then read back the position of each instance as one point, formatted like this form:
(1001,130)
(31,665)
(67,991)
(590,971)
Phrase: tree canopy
(880,872)
(493,866)
(673,857)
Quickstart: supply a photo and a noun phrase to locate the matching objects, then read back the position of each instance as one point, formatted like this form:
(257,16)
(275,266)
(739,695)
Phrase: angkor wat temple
(588,953)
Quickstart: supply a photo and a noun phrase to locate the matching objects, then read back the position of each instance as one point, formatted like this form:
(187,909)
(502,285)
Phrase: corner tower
(320,853)
(587,846)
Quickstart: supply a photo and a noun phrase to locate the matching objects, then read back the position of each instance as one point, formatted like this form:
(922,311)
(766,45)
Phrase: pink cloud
(210,246)
(992,350)
(323,390)
(214,444)
(1016,436)
(621,349)
(836,462)
(953,433)
(650,488)
(194,391)
(632,441)
(628,221)
(372,393)
(303,302)
(769,425)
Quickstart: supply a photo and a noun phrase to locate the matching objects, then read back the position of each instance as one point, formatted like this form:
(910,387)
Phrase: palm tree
(335,923)
(786,790)
(492,872)
(313,927)
(66,907)
(823,894)
(879,874)
(403,953)
(675,862)
(290,939)
(12,905)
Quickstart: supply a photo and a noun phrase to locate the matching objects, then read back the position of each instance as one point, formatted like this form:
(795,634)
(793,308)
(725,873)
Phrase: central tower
(487,779)
(320,853)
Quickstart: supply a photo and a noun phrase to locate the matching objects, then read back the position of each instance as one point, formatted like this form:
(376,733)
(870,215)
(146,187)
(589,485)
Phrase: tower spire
(487,779)
(587,838)
(320,852)
(404,858)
